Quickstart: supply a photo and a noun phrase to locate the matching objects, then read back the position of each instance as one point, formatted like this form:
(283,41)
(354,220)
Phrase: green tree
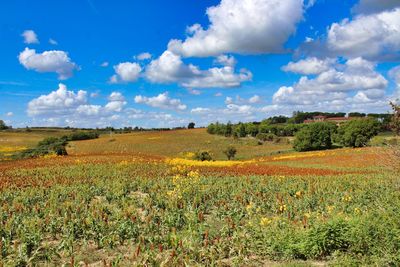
(191,125)
(3,125)
(358,132)
(228,129)
(230,152)
(315,136)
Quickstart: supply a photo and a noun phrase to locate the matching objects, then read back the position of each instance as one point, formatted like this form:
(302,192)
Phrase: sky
(96,63)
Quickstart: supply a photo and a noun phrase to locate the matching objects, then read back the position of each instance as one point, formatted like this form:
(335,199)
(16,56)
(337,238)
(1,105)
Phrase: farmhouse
(337,120)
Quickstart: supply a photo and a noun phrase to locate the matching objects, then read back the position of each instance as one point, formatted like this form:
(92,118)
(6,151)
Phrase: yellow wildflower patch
(8,149)
(196,163)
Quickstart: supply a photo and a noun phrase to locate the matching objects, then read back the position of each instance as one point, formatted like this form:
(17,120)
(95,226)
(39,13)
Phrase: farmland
(139,199)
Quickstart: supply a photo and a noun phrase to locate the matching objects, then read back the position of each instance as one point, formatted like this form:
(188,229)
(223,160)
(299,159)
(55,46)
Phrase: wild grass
(147,205)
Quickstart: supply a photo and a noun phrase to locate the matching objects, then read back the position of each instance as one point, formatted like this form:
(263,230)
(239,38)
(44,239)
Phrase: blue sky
(164,63)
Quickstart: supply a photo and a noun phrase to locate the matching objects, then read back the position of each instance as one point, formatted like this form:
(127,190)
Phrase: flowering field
(124,207)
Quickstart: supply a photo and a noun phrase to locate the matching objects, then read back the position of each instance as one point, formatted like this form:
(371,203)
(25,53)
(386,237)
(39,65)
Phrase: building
(337,120)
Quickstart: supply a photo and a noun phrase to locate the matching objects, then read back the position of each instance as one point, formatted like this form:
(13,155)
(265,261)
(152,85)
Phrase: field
(137,199)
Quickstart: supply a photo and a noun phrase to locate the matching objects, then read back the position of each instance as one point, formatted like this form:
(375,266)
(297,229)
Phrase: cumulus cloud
(143,56)
(126,72)
(162,101)
(244,27)
(311,65)
(48,61)
(344,86)
(10,114)
(104,64)
(116,102)
(255,99)
(60,101)
(374,6)
(369,36)
(65,107)
(169,68)
(30,37)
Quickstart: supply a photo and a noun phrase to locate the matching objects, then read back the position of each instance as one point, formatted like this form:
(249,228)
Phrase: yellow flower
(282,208)
(346,198)
(299,194)
(265,221)
(357,211)
(330,208)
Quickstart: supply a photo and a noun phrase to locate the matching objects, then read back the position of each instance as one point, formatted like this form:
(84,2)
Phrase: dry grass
(175,143)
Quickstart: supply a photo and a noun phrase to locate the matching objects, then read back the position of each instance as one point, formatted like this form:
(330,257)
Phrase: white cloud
(60,101)
(353,85)
(9,114)
(242,26)
(169,68)
(255,99)
(64,107)
(374,6)
(126,72)
(116,102)
(48,61)
(104,64)
(162,101)
(143,56)
(311,65)
(375,36)
(53,42)
(226,60)
(200,110)
(30,37)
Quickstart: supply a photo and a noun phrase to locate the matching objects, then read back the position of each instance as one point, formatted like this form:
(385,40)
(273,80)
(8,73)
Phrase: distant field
(176,143)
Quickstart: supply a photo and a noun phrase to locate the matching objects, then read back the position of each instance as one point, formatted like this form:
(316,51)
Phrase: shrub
(203,156)
(358,132)
(230,152)
(266,137)
(315,136)
(82,136)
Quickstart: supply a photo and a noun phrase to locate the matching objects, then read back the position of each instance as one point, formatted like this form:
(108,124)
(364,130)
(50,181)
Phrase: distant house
(320,118)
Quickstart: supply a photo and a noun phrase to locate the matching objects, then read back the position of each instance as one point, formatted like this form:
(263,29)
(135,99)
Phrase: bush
(230,152)
(315,136)
(203,156)
(358,132)
(82,136)
(49,145)
(266,137)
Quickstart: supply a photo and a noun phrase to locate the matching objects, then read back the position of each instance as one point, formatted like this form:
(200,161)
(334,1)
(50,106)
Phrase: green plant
(203,156)
(230,152)
(315,136)
(357,132)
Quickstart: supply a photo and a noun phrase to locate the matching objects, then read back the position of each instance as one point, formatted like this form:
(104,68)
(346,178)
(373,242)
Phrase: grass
(176,143)
(136,201)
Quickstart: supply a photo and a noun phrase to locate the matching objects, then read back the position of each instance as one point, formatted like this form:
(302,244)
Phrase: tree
(3,125)
(191,125)
(395,121)
(316,136)
(228,129)
(358,132)
(230,152)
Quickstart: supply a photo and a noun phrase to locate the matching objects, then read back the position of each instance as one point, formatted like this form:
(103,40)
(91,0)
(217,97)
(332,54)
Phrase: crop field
(138,200)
